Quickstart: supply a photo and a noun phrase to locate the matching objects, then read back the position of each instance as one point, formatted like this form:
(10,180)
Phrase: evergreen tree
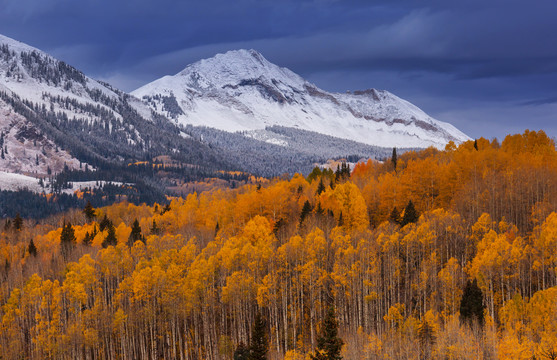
(105,223)
(426,335)
(135,235)
(18,222)
(242,352)
(328,343)
(278,225)
(154,228)
(95,232)
(314,174)
(340,220)
(306,210)
(471,304)
(89,211)
(343,172)
(319,210)
(320,187)
(67,240)
(410,214)
(258,345)
(165,209)
(395,216)
(87,239)
(32,249)
(476,144)
(110,239)
(394,158)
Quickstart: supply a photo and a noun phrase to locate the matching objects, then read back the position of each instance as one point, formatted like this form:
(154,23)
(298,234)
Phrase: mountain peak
(235,66)
(241,56)
(244,54)
(240,90)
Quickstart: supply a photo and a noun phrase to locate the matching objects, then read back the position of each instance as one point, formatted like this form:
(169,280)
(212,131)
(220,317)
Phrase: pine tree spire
(258,345)
(394,159)
(67,240)
(471,304)
(32,249)
(410,214)
(135,234)
(329,344)
(89,211)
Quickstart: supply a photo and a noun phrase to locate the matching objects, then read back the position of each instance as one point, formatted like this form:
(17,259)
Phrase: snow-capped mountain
(242,91)
(52,117)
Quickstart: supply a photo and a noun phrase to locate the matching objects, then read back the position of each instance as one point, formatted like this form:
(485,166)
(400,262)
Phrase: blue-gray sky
(487,66)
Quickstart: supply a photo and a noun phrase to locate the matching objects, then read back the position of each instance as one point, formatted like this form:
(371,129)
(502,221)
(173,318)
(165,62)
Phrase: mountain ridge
(55,119)
(240,90)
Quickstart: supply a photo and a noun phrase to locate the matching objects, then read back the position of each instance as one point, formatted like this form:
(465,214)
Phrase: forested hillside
(434,254)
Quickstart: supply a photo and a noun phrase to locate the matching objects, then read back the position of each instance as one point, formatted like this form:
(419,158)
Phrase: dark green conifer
(320,187)
(316,172)
(67,240)
(258,345)
(395,216)
(32,249)
(410,214)
(242,352)
(426,335)
(471,304)
(329,344)
(278,225)
(154,228)
(319,210)
(306,210)
(394,159)
(105,223)
(18,222)
(110,239)
(87,239)
(89,211)
(165,209)
(135,235)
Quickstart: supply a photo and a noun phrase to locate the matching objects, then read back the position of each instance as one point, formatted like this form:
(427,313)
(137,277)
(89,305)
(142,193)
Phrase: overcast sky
(489,67)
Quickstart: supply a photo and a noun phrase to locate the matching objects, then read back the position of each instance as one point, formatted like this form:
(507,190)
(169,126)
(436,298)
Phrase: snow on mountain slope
(242,91)
(95,123)
(26,150)
(36,76)
(14,182)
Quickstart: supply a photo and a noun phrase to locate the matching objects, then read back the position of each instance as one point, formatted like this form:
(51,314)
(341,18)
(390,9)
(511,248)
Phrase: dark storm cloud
(469,62)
